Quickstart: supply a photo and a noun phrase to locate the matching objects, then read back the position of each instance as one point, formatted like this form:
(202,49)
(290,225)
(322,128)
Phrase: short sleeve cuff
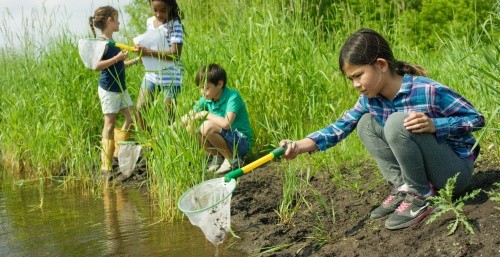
(176,40)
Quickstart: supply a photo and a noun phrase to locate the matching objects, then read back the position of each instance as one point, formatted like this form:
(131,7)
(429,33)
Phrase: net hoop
(189,194)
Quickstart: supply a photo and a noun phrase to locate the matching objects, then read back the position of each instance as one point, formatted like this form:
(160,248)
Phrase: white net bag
(208,206)
(128,154)
(154,39)
(91,51)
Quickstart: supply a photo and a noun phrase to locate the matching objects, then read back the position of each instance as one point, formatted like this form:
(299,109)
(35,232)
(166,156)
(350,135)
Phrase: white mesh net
(91,51)
(128,154)
(208,206)
(154,39)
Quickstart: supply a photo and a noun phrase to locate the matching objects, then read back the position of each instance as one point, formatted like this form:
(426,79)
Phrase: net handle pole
(121,46)
(251,166)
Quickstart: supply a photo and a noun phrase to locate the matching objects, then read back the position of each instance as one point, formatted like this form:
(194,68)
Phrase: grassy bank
(282,59)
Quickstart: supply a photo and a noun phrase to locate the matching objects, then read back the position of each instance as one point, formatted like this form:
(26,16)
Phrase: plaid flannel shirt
(454,117)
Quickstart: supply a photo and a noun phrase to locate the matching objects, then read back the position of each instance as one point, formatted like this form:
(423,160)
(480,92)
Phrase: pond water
(44,219)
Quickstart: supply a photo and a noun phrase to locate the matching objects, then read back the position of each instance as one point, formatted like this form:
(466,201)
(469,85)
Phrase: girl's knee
(394,127)
(364,125)
(396,119)
(365,120)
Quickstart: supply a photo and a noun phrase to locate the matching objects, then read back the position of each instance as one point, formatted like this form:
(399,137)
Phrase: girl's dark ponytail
(403,68)
(365,46)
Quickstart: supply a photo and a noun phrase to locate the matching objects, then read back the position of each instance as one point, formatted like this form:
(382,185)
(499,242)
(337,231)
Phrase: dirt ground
(342,229)
(338,225)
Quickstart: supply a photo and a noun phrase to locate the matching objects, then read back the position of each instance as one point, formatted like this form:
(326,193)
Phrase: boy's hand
(188,117)
(185,119)
(191,118)
(201,115)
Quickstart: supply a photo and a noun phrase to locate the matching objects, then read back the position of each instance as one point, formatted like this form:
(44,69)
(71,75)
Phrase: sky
(71,13)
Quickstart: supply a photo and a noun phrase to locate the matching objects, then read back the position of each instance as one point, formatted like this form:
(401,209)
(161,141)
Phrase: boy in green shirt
(225,131)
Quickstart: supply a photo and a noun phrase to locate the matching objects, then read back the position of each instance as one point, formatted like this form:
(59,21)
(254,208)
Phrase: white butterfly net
(128,154)
(208,206)
(91,51)
(155,39)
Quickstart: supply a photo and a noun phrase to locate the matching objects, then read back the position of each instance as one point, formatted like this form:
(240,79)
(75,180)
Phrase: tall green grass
(47,111)
(282,58)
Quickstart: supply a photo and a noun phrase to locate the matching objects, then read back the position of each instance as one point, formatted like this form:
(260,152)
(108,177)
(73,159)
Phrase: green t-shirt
(230,101)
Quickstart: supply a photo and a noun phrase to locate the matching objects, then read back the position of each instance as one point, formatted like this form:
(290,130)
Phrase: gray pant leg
(372,136)
(420,158)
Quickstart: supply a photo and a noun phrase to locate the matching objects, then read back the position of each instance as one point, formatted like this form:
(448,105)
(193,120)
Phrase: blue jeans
(169,91)
(235,139)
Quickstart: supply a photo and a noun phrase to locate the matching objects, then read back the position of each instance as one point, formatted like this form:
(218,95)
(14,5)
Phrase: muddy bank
(332,221)
(339,226)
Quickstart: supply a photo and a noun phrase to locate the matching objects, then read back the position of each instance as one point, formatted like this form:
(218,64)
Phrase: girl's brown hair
(365,46)
(100,17)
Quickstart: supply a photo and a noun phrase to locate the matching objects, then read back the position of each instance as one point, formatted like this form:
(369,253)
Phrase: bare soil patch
(344,230)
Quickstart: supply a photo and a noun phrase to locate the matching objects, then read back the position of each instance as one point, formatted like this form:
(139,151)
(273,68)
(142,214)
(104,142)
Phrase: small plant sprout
(443,202)
(495,194)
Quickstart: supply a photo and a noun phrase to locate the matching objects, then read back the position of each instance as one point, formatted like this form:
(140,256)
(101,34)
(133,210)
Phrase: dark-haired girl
(168,79)
(418,130)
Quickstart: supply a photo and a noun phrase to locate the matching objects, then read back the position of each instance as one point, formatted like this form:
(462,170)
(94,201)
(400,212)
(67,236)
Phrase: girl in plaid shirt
(417,130)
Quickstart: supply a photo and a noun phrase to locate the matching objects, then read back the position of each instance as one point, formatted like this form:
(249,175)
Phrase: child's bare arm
(132,61)
(104,64)
(223,122)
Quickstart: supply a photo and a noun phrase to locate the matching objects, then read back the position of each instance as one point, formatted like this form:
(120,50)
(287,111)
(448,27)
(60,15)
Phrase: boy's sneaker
(229,165)
(411,211)
(389,205)
(214,162)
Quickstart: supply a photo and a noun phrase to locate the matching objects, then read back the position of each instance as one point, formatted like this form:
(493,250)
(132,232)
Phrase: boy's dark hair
(212,73)
(365,46)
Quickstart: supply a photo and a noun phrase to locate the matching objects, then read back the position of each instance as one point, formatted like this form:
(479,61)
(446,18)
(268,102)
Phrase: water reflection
(51,221)
(121,221)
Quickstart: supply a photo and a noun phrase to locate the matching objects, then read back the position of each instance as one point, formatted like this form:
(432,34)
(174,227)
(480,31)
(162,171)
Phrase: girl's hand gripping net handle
(241,171)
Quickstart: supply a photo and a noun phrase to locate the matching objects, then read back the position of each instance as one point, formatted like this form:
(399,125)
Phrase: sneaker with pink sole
(389,205)
(411,211)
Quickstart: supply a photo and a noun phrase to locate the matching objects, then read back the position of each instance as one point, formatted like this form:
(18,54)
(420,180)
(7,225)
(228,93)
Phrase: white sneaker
(229,165)
(214,162)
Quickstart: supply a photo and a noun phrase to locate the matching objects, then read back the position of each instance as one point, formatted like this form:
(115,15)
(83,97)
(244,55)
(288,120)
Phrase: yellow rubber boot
(120,135)
(108,148)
